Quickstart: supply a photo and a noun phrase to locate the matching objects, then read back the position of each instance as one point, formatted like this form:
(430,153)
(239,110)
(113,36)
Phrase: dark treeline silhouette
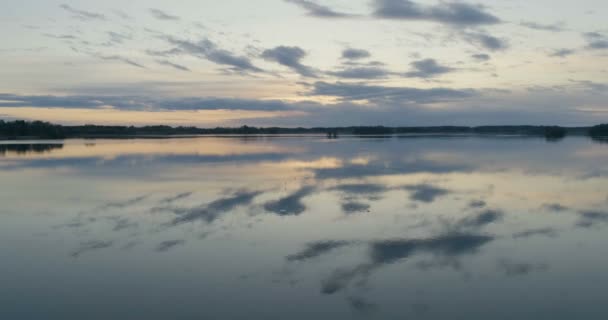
(28,148)
(43,130)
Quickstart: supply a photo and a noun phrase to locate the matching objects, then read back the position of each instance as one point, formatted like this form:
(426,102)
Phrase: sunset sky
(305,62)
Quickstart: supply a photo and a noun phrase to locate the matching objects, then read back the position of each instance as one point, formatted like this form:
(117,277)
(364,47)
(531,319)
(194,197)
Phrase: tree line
(20,129)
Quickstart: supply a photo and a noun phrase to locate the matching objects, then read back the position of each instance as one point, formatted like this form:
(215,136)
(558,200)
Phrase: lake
(304,227)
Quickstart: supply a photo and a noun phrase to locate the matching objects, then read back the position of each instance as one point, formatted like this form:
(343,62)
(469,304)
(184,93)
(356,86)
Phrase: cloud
(477,204)
(290,57)
(591,218)
(481,57)
(355,54)
(123,204)
(425,192)
(316,10)
(290,205)
(549,232)
(162,15)
(361,73)
(562,53)
(120,59)
(168,245)
(355,207)
(316,249)
(361,188)
(118,38)
(206,49)
(596,40)
(90,246)
(212,211)
(486,41)
(512,269)
(176,197)
(172,65)
(145,103)
(458,14)
(556,27)
(362,91)
(479,220)
(427,68)
(81,14)
(554,207)
(386,252)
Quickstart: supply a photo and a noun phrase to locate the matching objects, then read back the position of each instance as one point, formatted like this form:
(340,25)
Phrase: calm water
(304,228)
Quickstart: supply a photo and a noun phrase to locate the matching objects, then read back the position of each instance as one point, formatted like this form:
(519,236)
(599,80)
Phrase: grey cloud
(392,251)
(162,15)
(591,218)
(427,68)
(479,220)
(316,249)
(425,192)
(355,54)
(355,207)
(549,232)
(120,59)
(168,245)
(206,49)
(562,53)
(554,207)
(316,10)
(361,305)
(361,73)
(486,41)
(118,38)
(82,14)
(481,57)
(123,204)
(143,103)
(556,27)
(90,246)
(451,13)
(212,211)
(290,57)
(388,168)
(361,188)
(477,204)
(60,36)
(512,269)
(596,40)
(176,197)
(172,65)
(290,205)
(362,91)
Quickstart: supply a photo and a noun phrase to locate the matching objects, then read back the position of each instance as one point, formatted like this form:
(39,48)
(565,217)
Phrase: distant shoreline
(24,130)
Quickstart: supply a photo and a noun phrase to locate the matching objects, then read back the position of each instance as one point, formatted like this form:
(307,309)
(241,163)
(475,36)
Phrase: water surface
(304,227)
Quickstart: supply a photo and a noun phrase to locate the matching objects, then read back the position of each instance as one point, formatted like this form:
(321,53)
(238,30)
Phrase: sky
(305,63)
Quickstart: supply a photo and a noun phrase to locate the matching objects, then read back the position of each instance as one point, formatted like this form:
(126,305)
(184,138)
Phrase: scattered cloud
(596,40)
(458,14)
(82,14)
(355,54)
(314,9)
(290,205)
(316,249)
(162,15)
(562,53)
(173,65)
(362,91)
(486,41)
(555,27)
(168,245)
(427,68)
(290,57)
(481,57)
(208,50)
(425,192)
